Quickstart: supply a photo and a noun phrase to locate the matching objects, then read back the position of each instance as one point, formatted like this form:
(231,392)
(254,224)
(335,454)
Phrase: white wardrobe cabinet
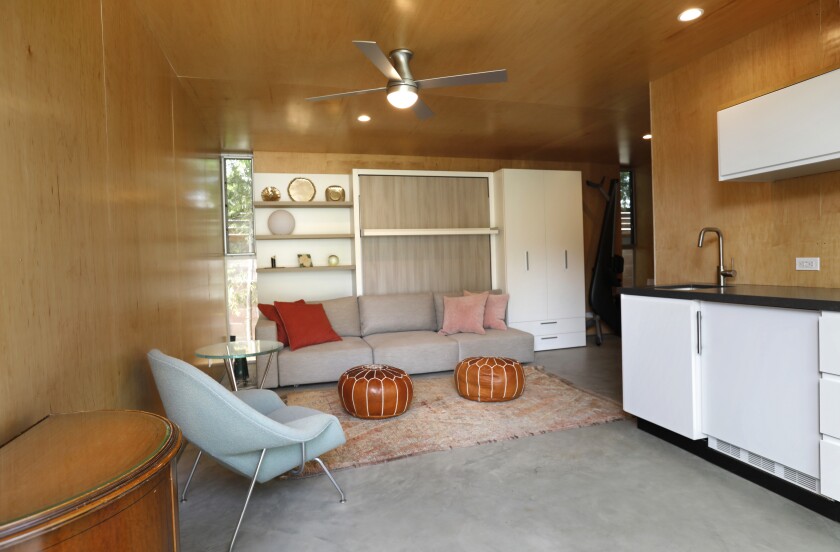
(539,252)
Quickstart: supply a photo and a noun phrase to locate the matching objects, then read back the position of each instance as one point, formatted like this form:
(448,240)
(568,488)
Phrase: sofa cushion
(323,362)
(494,310)
(397,313)
(306,324)
(510,343)
(439,304)
(415,352)
(464,314)
(270,312)
(344,315)
(438,297)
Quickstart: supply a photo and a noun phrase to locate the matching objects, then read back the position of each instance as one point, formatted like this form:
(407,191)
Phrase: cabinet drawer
(830,469)
(552,326)
(559,341)
(830,343)
(830,406)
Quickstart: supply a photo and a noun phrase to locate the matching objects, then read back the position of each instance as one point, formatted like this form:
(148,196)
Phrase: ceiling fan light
(402,96)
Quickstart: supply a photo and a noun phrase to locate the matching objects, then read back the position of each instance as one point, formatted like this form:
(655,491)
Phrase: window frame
(225,237)
(632,242)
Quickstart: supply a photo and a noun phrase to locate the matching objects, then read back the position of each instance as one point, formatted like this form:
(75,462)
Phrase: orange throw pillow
(270,312)
(306,324)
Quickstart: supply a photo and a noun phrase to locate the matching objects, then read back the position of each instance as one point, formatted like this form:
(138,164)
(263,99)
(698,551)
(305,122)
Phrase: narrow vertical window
(240,260)
(628,226)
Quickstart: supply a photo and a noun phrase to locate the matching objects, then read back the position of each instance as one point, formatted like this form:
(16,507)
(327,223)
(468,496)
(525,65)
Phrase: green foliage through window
(239,207)
(628,217)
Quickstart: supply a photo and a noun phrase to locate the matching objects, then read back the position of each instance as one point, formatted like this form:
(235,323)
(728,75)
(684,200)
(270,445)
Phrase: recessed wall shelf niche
(321,229)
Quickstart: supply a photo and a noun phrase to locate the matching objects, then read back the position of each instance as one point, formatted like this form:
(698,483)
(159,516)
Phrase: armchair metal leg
(192,471)
(326,471)
(299,470)
(247,499)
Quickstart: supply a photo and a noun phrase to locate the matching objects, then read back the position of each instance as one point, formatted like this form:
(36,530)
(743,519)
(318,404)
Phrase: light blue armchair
(251,432)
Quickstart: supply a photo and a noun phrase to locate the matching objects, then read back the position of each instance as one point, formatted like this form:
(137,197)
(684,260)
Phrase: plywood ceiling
(578,71)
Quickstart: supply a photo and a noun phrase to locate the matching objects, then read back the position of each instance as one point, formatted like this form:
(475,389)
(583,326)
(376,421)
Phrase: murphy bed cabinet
(539,252)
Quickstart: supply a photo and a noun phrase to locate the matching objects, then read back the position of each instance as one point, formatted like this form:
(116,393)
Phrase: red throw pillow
(306,324)
(270,312)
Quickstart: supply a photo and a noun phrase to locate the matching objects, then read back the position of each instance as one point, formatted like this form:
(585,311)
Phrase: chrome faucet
(722,272)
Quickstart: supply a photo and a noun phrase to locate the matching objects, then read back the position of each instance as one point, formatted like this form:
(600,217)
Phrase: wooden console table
(91,481)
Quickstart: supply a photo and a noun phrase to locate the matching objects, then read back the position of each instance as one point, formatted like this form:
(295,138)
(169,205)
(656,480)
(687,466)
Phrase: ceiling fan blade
(421,110)
(343,94)
(374,53)
(484,77)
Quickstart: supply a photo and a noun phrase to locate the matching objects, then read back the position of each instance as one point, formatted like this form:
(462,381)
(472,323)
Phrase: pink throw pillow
(494,310)
(463,314)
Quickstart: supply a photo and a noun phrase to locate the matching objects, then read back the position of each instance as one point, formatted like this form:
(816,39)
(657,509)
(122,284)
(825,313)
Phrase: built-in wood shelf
(375,232)
(306,237)
(302,204)
(310,269)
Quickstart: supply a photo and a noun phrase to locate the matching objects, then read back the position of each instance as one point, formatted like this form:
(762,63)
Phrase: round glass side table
(228,351)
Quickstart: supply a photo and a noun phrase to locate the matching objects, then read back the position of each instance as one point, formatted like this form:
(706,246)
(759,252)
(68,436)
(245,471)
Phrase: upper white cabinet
(787,133)
(539,254)
(661,362)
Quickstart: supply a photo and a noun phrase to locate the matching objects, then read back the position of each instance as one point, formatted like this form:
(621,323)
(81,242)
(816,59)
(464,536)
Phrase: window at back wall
(240,260)
(628,226)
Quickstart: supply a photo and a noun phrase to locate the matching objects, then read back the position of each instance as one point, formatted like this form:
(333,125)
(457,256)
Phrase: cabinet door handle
(699,333)
(527,262)
(545,338)
(544,323)
(567,259)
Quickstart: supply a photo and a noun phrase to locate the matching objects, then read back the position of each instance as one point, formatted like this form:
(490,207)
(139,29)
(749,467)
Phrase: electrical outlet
(807,263)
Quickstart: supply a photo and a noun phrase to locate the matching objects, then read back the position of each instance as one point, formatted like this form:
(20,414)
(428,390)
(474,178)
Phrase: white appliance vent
(801,479)
(761,462)
(728,448)
(766,464)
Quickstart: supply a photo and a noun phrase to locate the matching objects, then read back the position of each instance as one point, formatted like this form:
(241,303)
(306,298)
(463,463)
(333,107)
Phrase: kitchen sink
(690,287)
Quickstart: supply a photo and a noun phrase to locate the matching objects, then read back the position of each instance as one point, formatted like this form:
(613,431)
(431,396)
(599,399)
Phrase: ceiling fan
(402,88)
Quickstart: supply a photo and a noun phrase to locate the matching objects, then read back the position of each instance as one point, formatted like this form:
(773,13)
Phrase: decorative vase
(270,194)
(281,222)
(332,260)
(334,193)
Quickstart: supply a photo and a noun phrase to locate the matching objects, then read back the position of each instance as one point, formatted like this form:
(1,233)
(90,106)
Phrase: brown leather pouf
(489,379)
(375,391)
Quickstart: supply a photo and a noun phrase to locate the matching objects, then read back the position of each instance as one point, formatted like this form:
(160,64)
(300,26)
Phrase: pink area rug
(439,419)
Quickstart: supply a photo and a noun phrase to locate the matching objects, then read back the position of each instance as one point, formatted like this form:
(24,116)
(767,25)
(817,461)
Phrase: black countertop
(787,297)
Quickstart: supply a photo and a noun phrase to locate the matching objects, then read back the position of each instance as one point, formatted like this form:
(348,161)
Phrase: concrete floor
(609,487)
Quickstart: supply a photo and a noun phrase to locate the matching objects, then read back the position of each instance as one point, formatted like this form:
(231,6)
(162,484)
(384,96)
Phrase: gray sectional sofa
(400,330)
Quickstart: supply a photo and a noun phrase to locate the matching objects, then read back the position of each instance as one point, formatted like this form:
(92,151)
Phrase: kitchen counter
(788,297)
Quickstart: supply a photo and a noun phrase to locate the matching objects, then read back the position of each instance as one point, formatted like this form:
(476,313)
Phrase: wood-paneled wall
(110,215)
(414,264)
(765,225)
(339,163)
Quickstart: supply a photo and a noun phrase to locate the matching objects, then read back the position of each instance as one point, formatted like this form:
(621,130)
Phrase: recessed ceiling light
(363,118)
(647,136)
(690,14)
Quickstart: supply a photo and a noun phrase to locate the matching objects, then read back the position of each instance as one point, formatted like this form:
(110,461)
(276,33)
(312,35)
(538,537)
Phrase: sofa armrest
(265,329)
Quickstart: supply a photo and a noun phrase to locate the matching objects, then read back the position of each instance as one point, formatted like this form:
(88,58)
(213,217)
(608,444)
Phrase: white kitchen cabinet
(830,343)
(829,352)
(830,468)
(760,377)
(539,253)
(660,362)
(787,133)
